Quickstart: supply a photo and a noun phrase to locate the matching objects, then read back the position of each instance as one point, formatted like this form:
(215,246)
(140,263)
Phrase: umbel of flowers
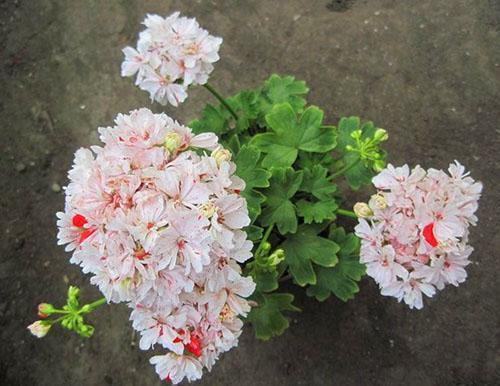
(196,227)
(157,222)
(414,237)
(172,53)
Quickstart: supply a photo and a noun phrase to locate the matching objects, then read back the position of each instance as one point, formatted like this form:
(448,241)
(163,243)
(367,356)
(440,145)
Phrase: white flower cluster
(415,239)
(172,53)
(158,224)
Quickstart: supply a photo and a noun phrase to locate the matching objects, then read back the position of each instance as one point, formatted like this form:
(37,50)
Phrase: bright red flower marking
(194,347)
(78,220)
(428,233)
(85,235)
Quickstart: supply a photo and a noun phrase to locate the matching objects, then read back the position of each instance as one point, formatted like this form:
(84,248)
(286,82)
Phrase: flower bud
(45,309)
(172,142)
(356,134)
(220,155)
(40,328)
(378,165)
(208,209)
(381,135)
(378,201)
(276,257)
(349,148)
(266,246)
(73,292)
(362,210)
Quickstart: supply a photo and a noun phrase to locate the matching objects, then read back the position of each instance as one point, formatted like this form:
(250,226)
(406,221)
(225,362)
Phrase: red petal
(85,234)
(78,220)
(428,233)
(194,347)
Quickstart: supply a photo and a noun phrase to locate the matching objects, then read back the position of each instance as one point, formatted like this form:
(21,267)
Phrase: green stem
(219,97)
(347,213)
(344,169)
(264,239)
(97,303)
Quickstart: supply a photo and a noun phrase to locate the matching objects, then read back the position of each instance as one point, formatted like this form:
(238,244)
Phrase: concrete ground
(428,71)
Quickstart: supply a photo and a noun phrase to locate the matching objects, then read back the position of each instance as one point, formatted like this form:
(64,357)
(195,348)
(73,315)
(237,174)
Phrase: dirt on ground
(428,71)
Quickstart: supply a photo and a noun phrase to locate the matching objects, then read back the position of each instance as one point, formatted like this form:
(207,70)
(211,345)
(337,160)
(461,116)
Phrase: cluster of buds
(70,316)
(368,147)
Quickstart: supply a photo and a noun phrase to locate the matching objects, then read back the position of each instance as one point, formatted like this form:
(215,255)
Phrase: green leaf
(291,133)
(342,279)
(267,318)
(246,168)
(278,155)
(285,89)
(316,183)
(305,247)
(316,211)
(278,209)
(358,175)
(214,119)
(254,232)
(361,174)
(246,105)
(310,160)
(266,281)
(345,127)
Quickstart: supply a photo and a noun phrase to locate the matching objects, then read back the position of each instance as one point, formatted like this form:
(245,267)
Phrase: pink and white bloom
(39,328)
(172,53)
(415,240)
(159,226)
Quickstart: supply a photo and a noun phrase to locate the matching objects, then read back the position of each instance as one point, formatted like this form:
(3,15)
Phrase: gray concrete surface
(428,71)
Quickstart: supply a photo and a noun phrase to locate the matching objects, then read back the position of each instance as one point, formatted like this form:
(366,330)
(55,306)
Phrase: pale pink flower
(416,239)
(159,226)
(172,53)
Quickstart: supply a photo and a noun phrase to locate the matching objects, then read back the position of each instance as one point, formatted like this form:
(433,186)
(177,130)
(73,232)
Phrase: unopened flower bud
(45,309)
(73,292)
(266,246)
(208,209)
(362,210)
(356,134)
(381,135)
(349,148)
(276,257)
(40,328)
(378,165)
(220,155)
(378,201)
(172,142)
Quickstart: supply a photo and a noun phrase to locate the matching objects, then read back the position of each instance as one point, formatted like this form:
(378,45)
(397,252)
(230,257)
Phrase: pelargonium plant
(195,227)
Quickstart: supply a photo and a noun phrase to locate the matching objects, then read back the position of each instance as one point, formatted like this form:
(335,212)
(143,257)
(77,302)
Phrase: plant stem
(97,303)
(344,169)
(219,97)
(347,213)
(264,239)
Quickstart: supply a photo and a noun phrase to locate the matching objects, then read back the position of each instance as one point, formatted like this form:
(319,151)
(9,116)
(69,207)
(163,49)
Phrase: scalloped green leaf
(305,247)
(267,318)
(278,209)
(318,211)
